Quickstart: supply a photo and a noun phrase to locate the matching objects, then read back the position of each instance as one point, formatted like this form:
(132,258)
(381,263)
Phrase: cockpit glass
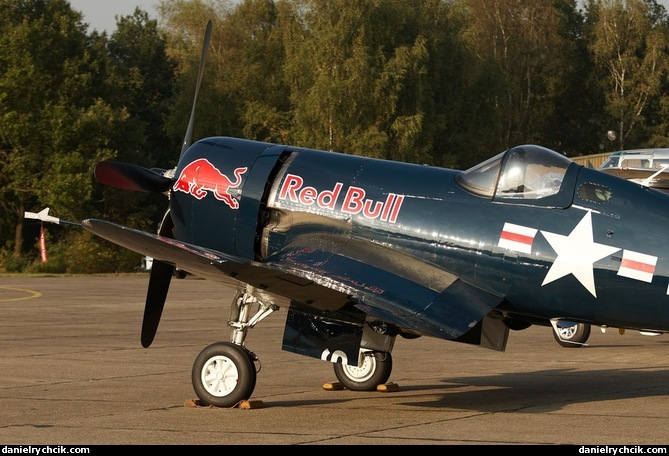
(522,172)
(482,178)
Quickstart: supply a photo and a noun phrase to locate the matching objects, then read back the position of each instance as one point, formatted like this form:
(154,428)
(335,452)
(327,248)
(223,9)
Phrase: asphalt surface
(74,373)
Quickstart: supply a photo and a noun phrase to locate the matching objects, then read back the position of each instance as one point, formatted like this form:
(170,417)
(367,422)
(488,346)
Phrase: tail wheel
(223,375)
(374,370)
(571,335)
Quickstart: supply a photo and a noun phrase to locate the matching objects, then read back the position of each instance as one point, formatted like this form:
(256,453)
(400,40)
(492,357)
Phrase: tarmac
(74,373)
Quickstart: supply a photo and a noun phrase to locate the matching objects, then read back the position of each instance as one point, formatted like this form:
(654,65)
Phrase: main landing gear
(224,373)
(373,371)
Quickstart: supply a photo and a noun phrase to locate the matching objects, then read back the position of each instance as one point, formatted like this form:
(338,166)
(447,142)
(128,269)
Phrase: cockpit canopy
(524,172)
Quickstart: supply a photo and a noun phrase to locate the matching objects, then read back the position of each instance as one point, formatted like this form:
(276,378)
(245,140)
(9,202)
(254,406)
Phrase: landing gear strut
(224,373)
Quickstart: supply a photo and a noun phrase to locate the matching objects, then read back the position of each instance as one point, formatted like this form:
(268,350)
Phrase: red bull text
(353,201)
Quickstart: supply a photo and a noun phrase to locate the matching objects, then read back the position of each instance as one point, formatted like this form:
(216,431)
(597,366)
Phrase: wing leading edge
(457,312)
(273,285)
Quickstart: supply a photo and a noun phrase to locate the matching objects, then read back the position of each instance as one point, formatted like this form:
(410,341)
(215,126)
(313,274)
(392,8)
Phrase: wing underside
(324,281)
(277,286)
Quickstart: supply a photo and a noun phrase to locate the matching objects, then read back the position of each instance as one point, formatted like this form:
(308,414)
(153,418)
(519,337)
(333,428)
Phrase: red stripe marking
(509,236)
(638,266)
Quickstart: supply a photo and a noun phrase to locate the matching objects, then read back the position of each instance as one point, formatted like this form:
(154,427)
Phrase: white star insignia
(576,254)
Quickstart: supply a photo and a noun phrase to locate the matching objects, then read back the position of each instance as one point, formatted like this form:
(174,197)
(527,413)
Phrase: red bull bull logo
(200,177)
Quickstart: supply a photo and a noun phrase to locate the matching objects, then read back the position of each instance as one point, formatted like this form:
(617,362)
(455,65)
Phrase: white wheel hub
(219,376)
(363,372)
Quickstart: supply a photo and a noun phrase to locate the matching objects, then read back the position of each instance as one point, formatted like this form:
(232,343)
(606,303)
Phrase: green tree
(184,27)
(141,84)
(630,49)
(252,76)
(49,71)
(572,126)
(460,125)
(358,75)
(655,126)
(242,92)
(522,43)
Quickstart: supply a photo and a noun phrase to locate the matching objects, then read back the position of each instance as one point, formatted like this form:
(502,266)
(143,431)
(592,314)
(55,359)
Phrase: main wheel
(374,371)
(223,374)
(571,335)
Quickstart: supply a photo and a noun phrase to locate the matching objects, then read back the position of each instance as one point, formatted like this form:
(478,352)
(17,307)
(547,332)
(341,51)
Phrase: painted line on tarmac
(33,294)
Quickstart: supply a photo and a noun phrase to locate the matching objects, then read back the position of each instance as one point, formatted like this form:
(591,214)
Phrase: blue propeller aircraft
(358,251)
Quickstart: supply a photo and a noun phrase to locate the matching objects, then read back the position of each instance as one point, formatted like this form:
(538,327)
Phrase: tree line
(442,82)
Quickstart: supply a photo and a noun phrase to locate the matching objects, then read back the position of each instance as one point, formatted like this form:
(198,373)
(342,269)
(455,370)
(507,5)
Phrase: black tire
(571,335)
(374,371)
(180,274)
(223,375)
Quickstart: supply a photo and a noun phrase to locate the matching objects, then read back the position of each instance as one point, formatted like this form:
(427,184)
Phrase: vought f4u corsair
(358,251)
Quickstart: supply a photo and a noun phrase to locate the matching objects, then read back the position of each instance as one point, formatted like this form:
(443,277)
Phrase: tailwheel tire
(224,375)
(374,370)
(571,335)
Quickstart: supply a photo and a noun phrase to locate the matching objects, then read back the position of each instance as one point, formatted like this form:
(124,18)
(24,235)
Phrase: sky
(100,14)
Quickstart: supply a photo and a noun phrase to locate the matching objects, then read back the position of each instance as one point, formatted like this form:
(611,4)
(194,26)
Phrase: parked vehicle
(648,167)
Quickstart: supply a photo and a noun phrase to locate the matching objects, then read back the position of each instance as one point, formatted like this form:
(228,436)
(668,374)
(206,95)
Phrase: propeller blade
(189,131)
(137,178)
(159,284)
(131,177)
